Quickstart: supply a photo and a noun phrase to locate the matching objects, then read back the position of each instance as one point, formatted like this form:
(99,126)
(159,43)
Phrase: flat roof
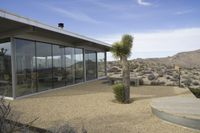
(22,20)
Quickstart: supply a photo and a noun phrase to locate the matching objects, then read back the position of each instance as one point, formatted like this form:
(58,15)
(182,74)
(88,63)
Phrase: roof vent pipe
(61,25)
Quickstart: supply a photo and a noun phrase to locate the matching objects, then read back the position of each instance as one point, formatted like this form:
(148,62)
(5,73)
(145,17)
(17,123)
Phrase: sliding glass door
(59,75)
(25,67)
(44,66)
(79,72)
(101,64)
(91,64)
(70,70)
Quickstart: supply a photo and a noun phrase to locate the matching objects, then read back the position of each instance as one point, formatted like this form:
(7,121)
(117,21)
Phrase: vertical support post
(73,66)
(97,67)
(13,63)
(52,72)
(105,63)
(84,65)
(36,69)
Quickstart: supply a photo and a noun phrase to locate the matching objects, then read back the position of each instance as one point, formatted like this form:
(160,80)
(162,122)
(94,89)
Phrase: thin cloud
(75,15)
(110,6)
(160,42)
(183,12)
(143,3)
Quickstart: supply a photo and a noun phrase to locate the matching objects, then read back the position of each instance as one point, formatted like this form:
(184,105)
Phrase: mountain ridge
(188,59)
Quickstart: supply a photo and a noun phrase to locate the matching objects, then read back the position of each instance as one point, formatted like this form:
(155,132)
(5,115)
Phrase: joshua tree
(3,51)
(122,50)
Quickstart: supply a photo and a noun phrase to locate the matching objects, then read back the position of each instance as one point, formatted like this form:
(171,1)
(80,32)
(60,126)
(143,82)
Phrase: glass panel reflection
(78,65)
(69,60)
(25,67)
(5,68)
(44,66)
(91,64)
(58,66)
(101,64)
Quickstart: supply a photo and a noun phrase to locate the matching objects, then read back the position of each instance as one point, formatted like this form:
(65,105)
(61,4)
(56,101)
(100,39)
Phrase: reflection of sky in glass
(78,55)
(44,62)
(100,56)
(68,56)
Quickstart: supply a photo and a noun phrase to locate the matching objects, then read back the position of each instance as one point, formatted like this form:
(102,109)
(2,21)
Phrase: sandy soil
(91,105)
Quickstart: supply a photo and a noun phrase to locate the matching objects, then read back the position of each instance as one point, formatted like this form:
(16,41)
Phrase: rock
(151,77)
(195,83)
(114,69)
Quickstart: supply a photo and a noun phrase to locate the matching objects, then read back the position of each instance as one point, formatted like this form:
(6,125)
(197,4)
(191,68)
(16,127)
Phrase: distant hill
(184,59)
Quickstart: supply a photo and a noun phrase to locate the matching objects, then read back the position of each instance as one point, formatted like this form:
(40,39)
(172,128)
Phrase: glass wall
(59,75)
(79,73)
(69,60)
(44,66)
(5,68)
(101,64)
(91,64)
(25,67)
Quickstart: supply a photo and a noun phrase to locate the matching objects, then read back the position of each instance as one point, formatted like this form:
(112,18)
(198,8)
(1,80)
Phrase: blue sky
(149,21)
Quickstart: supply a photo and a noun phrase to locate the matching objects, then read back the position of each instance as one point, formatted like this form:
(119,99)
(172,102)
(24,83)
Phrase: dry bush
(9,121)
(66,128)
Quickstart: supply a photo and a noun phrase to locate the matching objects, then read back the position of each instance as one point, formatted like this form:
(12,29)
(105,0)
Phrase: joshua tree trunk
(126,78)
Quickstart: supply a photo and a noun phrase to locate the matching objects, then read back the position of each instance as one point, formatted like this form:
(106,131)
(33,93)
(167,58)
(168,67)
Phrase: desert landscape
(164,71)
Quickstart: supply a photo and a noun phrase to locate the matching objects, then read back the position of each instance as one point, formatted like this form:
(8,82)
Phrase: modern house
(35,57)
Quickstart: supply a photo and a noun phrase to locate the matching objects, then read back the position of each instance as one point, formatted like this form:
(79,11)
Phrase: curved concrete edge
(183,121)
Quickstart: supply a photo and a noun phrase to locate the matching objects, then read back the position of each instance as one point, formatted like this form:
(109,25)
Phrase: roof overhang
(11,25)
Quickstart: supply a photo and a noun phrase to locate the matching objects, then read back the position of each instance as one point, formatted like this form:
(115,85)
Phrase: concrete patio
(92,105)
(182,110)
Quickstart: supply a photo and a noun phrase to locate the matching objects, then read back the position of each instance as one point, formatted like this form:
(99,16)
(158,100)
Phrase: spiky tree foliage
(122,50)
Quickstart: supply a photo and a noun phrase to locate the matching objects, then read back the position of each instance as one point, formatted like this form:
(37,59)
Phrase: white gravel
(91,105)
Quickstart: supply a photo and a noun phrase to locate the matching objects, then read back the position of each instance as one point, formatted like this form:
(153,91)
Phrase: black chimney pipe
(61,25)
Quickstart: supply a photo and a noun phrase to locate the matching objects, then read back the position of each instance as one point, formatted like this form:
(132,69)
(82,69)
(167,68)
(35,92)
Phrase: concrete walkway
(182,110)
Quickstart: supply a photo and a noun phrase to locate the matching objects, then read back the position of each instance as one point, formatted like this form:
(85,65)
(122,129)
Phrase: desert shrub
(176,76)
(157,83)
(196,73)
(134,66)
(186,72)
(168,77)
(170,84)
(66,128)
(160,74)
(141,82)
(169,72)
(119,92)
(187,82)
(184,77)
(182,86)
(151,77)
(9,121)
(175,80)
(196,92)
(195,83)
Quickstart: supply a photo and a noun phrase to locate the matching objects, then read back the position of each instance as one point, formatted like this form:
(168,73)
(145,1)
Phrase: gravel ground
(92,105)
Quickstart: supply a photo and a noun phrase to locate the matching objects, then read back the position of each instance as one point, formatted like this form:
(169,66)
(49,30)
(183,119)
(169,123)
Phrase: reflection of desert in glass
(43,66)
(5,68)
